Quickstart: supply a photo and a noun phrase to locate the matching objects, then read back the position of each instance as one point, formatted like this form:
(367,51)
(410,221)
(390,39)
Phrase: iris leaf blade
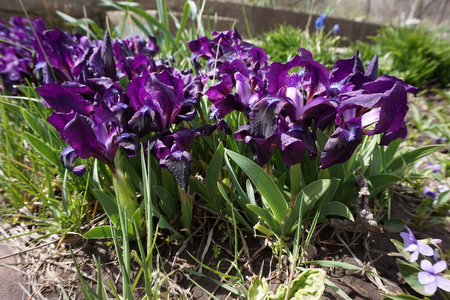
(262,181)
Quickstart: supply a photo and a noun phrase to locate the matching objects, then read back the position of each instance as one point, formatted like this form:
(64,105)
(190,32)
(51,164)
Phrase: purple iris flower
(430,277)
(159,100)
(17,52)
(62,52)
(171,150)
(135,56)
(85,121)
(226,46)
(428,193)
(415,246)
(320,22)
(342,143)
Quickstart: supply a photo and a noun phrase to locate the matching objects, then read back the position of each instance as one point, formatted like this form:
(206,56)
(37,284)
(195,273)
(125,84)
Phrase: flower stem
(126,198)
(295,172)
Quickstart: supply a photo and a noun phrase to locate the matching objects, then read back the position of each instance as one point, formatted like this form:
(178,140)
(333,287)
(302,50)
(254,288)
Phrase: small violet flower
(435,167)
(430,279)
(428,193)
(442,188)
(440,140)
(415,246)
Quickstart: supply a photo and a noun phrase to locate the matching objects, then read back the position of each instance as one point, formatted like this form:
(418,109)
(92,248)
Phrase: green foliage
(409,273)
(84,25)
(417,55)
(282,43)
(29,160)
(259,289)
(159,27)
(278,215)
(278,201)
(310,284)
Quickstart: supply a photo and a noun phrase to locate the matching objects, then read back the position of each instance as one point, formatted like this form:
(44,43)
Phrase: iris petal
(342,143)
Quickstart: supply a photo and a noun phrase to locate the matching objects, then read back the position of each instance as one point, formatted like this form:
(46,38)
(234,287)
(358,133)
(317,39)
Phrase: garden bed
(188,165)
(45,268)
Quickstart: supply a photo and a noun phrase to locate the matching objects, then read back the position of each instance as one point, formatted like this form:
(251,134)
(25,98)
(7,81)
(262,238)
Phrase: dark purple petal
(67,157)
(315,78)
(321,110)
(388,137)
(260,149)
(277,74)
(263,117)
(385,83)
(171,149)
(393,110)
(342,143)
(358,99)
(187,110)
(143,122)
(96,64)
(81,71)
(60,120)
(179,164)
(242,132)
(130,142)
(81,133)
(344,68)
(220,90)
(136,91)
(372,68)
(193,86)
(294,144)
(108,57)
(61,50)
(64,100)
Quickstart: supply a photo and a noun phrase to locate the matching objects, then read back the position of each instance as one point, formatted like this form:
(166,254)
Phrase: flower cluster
(430,275)
(284,103)
(82,80)
(16,52)
(285,107)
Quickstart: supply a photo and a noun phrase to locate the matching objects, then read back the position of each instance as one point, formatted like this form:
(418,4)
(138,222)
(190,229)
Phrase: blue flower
(430,279)
(320,21)
(414,246)
(335,29)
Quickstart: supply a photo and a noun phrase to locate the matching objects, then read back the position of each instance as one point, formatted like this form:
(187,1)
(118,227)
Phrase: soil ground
(46,269)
